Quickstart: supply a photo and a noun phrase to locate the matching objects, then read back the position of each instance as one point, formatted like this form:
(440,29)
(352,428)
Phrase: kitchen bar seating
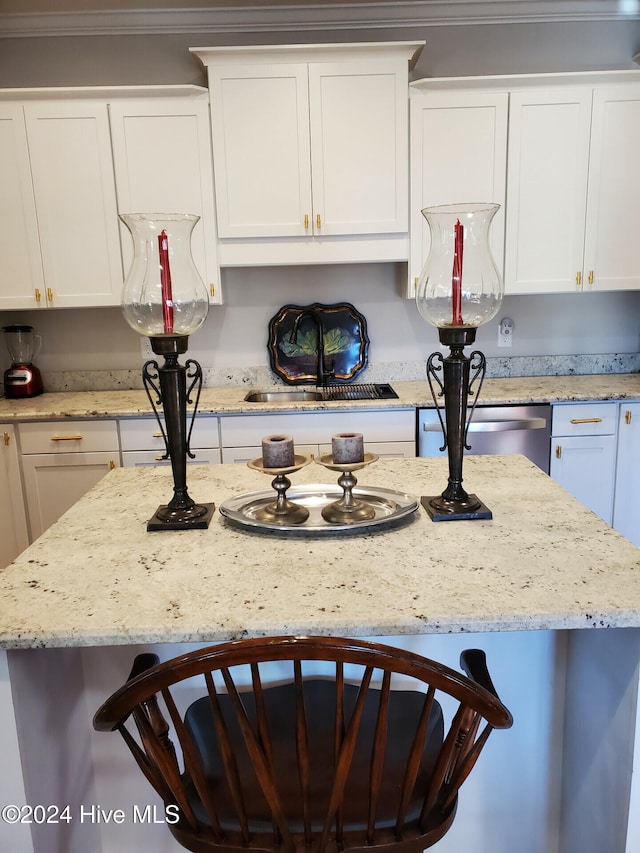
(311,761)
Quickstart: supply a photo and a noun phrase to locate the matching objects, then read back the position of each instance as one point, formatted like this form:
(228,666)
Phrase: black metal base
(197,517)
(440,510)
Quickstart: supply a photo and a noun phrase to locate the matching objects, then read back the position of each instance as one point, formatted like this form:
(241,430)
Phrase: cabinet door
(585,467)
(547,190)
(21,277)
(162,162)
(359,126)
(53,483)
(74,187)
(14,537)
(458,154)
(626,512)
(612,250)
(262,167)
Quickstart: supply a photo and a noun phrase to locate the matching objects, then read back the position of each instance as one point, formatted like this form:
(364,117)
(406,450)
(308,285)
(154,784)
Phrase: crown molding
(313,17)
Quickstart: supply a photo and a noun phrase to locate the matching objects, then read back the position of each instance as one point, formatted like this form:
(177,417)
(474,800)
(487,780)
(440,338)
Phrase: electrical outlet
(505,332)
(145,348)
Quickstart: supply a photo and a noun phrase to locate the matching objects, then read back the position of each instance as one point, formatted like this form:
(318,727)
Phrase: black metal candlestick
(459,374)
(182,512)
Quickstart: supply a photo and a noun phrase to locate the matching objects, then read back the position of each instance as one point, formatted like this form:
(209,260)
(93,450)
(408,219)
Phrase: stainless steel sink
(379,391)
(282,396)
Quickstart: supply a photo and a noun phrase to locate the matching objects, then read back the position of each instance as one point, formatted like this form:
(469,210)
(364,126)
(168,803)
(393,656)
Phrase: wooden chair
(316,763)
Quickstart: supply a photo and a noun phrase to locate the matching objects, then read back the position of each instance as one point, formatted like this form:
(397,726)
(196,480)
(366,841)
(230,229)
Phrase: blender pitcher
(23,378)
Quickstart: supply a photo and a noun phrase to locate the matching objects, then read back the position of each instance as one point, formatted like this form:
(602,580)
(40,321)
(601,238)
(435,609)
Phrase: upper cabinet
(310,148)
(458,154)
(162,161)
(59,245)
(573,185)
(557,151)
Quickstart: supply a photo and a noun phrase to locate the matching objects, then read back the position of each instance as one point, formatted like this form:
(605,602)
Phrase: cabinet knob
(558,451)
(38,295)
(7,439)
(112,465)
(578,278)
(49,295)
(627,417)
(590,276)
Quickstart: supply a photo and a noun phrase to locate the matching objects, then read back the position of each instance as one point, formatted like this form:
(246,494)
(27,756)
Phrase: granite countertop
(96,577)
(230,400)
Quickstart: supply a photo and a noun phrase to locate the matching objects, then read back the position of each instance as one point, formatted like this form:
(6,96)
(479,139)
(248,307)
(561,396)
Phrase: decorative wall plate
(345,342)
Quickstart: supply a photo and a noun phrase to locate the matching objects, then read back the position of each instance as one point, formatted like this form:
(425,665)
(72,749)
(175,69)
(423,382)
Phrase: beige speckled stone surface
(96,577)
(230,400)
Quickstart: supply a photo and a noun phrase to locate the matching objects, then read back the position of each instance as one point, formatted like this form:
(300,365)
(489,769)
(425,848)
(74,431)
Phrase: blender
(22,379)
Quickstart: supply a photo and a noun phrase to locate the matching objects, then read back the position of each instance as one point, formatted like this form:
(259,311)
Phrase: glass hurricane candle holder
(459,289)
(165,299)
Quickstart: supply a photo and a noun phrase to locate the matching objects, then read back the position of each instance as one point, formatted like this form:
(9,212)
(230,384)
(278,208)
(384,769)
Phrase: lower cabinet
(387,433)
(61,461)
(595,455)
(14,538)
(142,443)
(583,453)
(626,510)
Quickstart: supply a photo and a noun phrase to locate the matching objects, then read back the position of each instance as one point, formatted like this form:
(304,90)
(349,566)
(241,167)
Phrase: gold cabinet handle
(66,438)
(112,465)
(318,221)
(627,417)
(590,276)
(586,420)
(157,435)
(7,439)
(212,289)
(578,278)
(38,295)
(49,295)
(558,451)
(306,221)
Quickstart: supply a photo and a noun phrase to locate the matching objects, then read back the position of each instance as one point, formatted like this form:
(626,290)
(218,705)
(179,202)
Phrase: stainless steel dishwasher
(494,429)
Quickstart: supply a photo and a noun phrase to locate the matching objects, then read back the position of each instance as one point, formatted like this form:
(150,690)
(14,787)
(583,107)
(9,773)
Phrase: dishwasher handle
(495,426)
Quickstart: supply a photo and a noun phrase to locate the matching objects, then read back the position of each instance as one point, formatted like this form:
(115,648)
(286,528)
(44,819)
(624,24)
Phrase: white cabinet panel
(14,537)
(21,273)
(583,453)
(72,170)
(458,154)
(260,125)
(163,163)
(547,189)
(626,512)
(612,252)
(54,482)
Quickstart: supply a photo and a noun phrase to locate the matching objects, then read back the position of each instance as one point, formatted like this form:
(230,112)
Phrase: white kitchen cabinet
(21,271)
(572,187)
(310,142)
(626,510)
(61,461)
(583,453)
(14,538)
(458,146)
(386,433)
(75,201)
(163,163)
(141,441)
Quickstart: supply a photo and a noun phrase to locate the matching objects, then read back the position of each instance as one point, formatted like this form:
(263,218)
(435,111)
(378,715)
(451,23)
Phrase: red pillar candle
(165,281)
(456,279)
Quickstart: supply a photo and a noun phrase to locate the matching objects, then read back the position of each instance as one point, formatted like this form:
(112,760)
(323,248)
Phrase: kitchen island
(550,591)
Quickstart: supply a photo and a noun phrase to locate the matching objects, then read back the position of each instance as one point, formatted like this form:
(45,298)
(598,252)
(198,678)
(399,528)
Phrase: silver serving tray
(391,507)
